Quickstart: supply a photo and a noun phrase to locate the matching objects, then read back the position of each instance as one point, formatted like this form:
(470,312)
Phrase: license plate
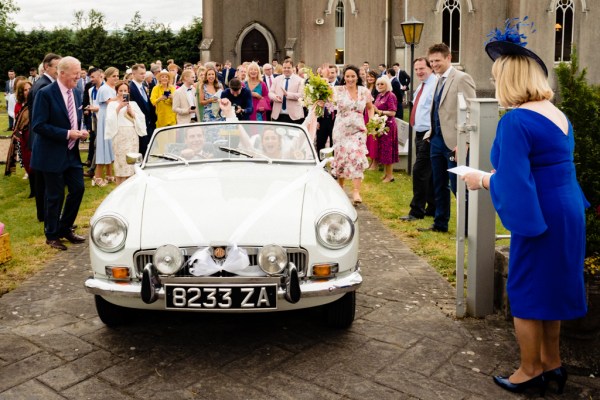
(211,297)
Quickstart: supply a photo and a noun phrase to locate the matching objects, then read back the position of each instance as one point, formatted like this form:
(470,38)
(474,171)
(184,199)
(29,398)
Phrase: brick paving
(404,343)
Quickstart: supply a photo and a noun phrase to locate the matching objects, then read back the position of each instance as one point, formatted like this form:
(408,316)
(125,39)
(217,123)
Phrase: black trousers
(324,132)
(423,201)
(57,224)
(92,146)
(286,118)
(144,142)
(40,190)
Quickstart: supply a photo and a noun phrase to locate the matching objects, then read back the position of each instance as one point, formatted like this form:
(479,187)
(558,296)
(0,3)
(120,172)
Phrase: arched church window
(564,30)
(451,27)
(339,33)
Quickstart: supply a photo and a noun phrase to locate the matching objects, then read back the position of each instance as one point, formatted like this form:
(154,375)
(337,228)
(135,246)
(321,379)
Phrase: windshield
(262,142)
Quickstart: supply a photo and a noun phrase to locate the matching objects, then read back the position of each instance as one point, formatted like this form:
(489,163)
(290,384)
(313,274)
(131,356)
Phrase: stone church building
(354,31)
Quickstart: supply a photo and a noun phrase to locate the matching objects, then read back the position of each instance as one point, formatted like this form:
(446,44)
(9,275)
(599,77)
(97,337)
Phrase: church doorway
(255,47)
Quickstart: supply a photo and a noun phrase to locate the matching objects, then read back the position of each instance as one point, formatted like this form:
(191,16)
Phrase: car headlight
(335,230)
(168,259)
(109,233)
(272,259)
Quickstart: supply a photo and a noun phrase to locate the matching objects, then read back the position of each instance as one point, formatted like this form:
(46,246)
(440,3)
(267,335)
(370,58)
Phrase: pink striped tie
(72,116)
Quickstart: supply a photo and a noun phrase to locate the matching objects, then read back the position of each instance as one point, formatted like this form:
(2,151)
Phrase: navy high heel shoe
(558,375)
(537,382)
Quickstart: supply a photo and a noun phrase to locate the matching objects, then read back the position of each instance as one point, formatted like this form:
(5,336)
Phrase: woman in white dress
(104,151)
(125,122)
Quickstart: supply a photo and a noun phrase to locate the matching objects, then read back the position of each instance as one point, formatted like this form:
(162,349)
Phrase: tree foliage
(7,7)
(581,103)
(89,40)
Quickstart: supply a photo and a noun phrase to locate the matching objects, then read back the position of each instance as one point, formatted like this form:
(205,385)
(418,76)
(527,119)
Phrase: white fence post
(482,216)
(461,159)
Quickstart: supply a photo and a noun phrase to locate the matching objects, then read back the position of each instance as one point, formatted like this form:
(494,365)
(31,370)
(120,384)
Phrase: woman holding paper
(536,194)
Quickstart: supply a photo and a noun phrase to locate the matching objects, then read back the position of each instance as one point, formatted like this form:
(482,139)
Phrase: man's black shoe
(432,228)
(88,174)
(56,244)
(409,218)
(74,238)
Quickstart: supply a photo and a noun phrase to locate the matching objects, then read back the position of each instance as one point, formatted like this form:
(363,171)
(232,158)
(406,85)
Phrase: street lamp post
(411,30)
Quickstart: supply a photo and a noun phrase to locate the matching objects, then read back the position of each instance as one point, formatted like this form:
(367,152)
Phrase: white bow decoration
(237,262)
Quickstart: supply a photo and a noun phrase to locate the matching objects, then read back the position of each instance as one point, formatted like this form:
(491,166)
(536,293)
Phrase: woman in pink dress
(371,141)
(386,104)
(259,91)
(349,131)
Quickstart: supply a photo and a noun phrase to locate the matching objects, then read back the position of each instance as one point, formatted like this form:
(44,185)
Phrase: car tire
(111,314)
(340,313)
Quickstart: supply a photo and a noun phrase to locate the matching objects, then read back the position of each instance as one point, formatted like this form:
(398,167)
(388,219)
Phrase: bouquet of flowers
(317,89)
(376,126)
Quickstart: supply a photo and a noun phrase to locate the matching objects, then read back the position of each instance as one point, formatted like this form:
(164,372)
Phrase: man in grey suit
(443,137)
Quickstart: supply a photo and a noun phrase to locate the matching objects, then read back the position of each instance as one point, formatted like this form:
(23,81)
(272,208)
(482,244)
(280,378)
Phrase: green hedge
(581,103)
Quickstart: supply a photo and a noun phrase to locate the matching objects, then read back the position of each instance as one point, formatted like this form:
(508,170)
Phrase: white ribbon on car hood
(237,262)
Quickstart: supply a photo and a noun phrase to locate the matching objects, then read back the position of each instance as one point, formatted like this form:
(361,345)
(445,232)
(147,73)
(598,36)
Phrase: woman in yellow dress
(162,99)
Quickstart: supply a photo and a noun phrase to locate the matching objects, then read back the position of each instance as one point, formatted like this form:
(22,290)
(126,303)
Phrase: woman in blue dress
(210,94)
(536,194)
(104,149)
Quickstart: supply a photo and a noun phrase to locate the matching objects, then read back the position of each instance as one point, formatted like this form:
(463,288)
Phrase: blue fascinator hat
(511,42)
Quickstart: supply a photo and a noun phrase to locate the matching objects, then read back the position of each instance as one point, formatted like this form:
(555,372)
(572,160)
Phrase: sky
(48,14)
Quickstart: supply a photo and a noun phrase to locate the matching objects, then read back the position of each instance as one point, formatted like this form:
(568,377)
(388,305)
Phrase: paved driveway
(403,344)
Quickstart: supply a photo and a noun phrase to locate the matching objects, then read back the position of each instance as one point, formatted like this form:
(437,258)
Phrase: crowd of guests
(116,105)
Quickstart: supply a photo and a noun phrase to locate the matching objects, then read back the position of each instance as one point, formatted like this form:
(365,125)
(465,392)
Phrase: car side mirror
(133,158)
(327,152)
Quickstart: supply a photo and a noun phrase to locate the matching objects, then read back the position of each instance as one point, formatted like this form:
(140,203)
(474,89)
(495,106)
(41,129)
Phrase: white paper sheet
(463,170)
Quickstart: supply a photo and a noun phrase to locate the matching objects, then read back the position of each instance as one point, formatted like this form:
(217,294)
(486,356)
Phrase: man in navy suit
(268,79)
(397,90)
(227,73)
(50,64)
(141,95)
(57,120)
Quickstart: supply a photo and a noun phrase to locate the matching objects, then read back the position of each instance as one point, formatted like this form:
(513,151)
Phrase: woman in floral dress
(349,131)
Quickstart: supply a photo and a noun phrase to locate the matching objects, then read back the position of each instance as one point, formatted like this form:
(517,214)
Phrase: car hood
(240,203)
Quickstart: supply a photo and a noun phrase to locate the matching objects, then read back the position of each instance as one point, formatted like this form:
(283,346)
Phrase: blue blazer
(146,107)
(51,123)
(229,77)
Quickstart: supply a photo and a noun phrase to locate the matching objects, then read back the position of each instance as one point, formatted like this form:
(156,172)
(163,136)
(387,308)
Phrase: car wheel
(340,313)
(111,314)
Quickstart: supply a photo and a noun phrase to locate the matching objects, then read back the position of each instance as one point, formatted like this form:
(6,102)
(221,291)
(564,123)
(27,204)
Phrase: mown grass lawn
(28,243)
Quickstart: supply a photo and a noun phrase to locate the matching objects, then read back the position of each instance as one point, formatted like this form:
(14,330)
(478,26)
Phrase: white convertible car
(226,217)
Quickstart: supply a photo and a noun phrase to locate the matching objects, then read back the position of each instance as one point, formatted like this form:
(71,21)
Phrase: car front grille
(296,255)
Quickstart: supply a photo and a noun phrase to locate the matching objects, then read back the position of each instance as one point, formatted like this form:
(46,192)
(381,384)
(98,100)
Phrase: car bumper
(313,293)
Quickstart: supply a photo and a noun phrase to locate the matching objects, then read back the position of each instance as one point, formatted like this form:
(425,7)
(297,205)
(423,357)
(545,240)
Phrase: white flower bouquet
(376,126)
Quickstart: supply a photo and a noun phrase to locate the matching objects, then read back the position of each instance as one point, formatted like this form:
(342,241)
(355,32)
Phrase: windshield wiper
(235,151)
(169,156)
(244,153)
